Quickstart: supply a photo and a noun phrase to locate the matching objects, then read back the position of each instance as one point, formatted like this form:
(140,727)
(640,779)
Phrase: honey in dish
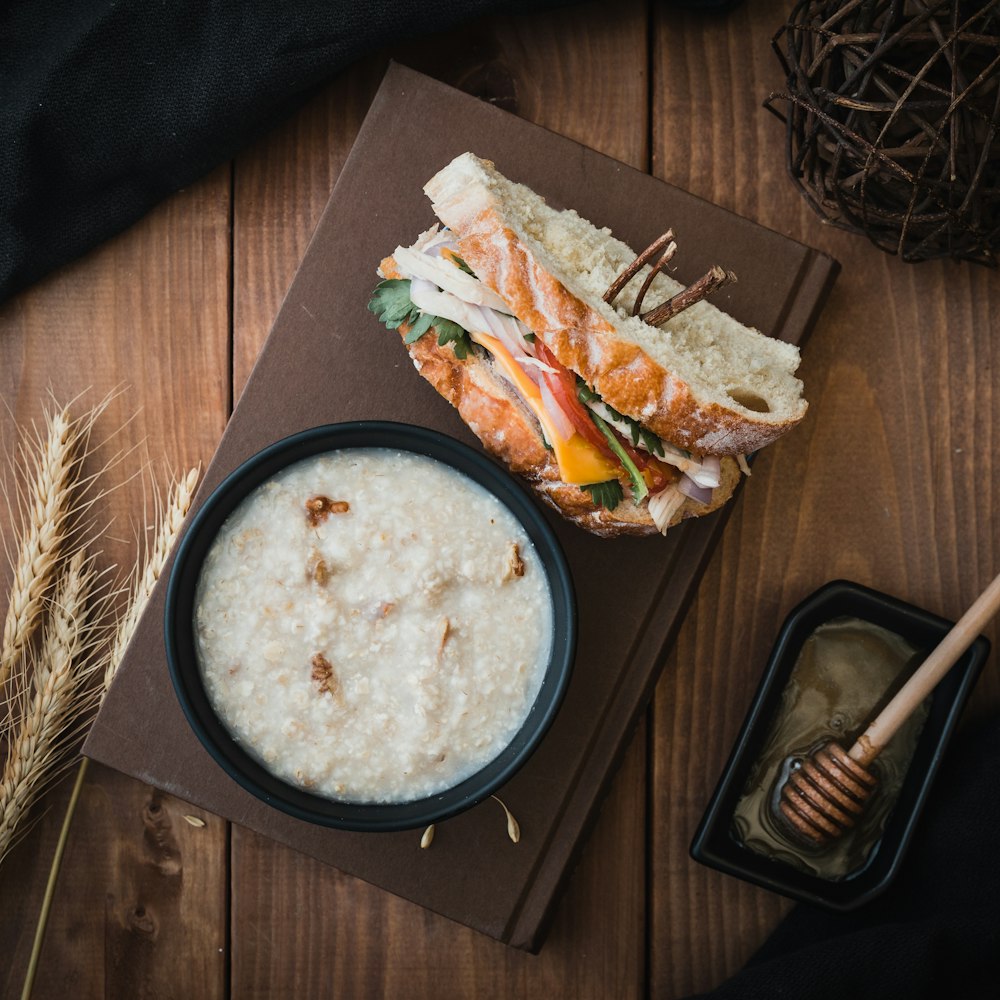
(847,670)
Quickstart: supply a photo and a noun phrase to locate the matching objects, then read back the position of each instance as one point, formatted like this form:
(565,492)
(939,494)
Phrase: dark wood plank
(888,481)
(140,908)
(300,926)
(281,187)
(557,72)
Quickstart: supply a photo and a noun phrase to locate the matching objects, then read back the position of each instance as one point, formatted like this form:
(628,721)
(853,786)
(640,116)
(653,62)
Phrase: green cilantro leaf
(418,328)
(391,302)
(529,337)
(609,494)
(653,444)
(451,333)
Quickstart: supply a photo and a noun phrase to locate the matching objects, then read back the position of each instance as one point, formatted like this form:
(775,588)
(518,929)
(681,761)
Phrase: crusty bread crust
(582,338)
(510,432)
(620,371)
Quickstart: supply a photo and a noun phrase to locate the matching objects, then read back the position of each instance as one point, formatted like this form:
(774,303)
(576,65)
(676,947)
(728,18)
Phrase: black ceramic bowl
(186,675)
(714,843)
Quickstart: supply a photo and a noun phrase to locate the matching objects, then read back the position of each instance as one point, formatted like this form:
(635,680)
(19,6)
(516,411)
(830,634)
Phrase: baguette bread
(509,432)
(624,427)
(703,381)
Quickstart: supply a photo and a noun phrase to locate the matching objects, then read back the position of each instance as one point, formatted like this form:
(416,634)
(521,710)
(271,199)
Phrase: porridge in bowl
(372,625)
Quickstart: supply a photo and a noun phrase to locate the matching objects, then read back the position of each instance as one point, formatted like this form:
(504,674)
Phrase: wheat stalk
(51,467)
(53,682)
(52,709)
(168,525)
(58,698)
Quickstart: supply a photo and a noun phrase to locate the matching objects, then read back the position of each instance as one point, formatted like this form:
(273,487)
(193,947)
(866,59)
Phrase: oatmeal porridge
(372,625)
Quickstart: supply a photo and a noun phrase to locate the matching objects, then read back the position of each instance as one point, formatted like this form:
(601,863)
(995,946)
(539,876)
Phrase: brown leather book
(328,360)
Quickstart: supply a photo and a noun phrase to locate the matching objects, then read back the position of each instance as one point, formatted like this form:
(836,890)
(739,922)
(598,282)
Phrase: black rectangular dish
(716,844)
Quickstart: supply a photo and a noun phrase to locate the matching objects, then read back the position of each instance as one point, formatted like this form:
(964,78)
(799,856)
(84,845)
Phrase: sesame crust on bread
(510,432)
(703,382)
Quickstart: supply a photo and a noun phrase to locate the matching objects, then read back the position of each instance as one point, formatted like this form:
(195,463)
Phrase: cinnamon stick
(715,279)
(666,240)
(668,256)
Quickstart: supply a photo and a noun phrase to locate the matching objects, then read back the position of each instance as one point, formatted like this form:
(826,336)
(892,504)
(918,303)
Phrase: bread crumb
(514,566)
(323,675)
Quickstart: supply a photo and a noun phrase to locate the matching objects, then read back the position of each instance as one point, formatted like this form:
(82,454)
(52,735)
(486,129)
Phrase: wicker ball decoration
(892,114)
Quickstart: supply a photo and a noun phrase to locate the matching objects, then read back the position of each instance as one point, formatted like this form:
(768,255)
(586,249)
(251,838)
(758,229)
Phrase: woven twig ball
(892,113)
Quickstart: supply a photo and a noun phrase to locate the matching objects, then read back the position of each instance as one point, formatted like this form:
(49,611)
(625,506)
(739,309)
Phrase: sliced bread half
(702,381)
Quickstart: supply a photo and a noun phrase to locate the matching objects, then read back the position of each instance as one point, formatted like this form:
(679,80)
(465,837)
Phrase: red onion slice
(427,298)
(415,264)
(709,474)
(540,366)
(700,494)
(428,238)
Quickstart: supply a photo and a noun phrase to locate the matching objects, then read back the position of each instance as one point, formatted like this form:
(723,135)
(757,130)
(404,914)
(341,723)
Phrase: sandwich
(625,399)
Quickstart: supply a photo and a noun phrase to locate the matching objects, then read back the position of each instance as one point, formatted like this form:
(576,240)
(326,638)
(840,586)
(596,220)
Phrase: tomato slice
(659,475)
(562,384)
(656,473)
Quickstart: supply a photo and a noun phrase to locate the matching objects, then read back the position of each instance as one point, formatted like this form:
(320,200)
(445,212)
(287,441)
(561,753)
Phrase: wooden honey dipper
(824,797)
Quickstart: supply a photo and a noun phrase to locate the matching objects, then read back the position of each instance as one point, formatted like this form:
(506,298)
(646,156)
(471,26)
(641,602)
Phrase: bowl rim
(184,671)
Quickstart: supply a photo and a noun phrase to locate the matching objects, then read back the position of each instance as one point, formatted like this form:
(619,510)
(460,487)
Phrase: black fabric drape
(935,932)
(107,106)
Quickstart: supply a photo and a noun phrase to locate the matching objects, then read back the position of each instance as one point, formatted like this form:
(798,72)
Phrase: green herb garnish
(639,487)
(529,337)
(587,395)
(391,303)
(608,495)
(451,333)
(652,443)
(418,327)
(637,432)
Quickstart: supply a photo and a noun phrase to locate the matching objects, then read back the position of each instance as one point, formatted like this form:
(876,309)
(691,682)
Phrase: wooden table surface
(892,481)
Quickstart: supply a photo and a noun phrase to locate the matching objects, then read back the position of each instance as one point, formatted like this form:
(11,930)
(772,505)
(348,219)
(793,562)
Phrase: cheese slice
(579,461)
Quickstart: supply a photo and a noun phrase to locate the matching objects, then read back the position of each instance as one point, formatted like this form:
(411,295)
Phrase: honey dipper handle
(871,742)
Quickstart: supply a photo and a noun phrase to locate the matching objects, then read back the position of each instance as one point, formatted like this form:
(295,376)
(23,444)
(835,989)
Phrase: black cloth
(107,106)
(935,933)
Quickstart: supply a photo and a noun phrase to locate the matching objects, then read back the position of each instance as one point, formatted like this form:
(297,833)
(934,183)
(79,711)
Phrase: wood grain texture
(901,381)
(370,944)
(281,186)
(140,906)
(303,929)
(891,481)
